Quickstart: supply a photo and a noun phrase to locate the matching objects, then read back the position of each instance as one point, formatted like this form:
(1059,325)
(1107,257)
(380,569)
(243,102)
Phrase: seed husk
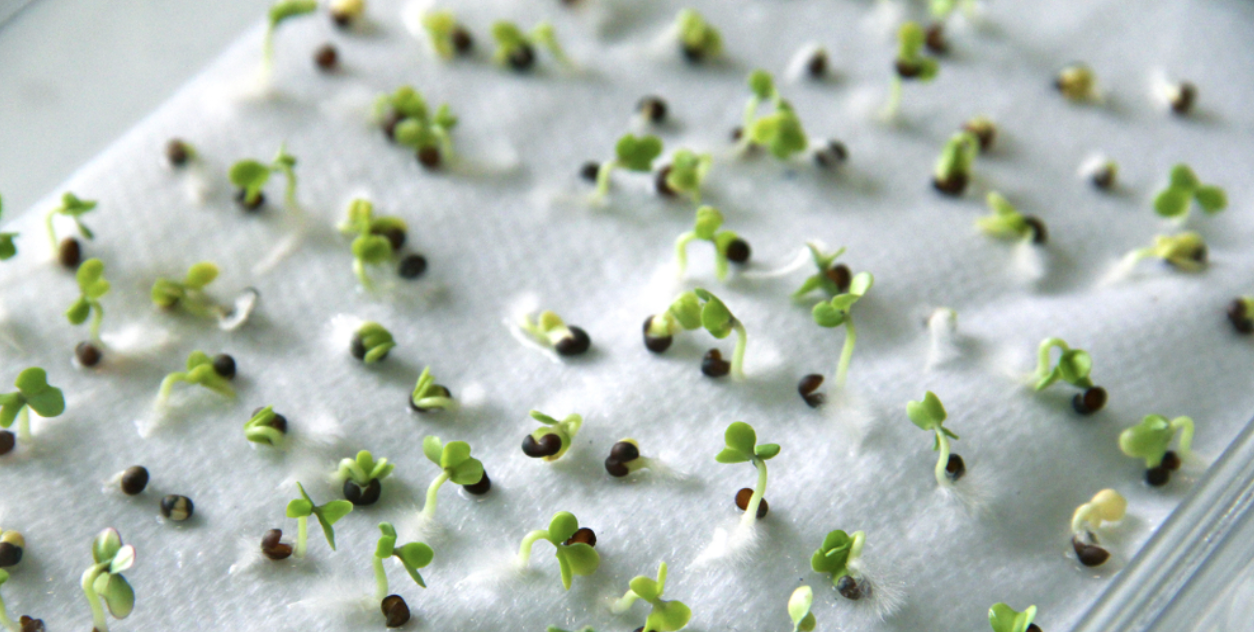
(934,39)
(907,69)
(738,251)
(615,467)
(1089,554)
(584,535)
(31,625)
(412,266)
(574,344)
(853,589)
(1104,177)
(8,441)
(87,354)
(177,153)
(177,508)
(816,66)
(395,611)
(362,497)
(832,154)
(742,502)
(713,364)
(241,197)
(652,108)
(655,344)
(955,467)
(327,58)
(1157,476)
(807,387)
(1183,96)
(482,487)
(134,480)
(547,445)
(69,253)
(463,43)
(1039,234)
(10,554)
(1090,401)
(429,157)
(953,185)
(624,452)
(661,185)
(522,57)
(1240,317)
(443,392)
(589,171)
(224,365)
(1171,461)
(272,548)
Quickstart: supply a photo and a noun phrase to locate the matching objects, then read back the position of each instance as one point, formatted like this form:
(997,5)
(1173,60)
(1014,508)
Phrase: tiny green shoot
(719,321)
(4,614)
(103,580)
(831,277)
(372,342)
(930,415)
(799,605)
(838,557)
(73,208)
(1107,505)
(631,153)
(953,167)
(92,286)
(535,444)
(364,470)
(251,176)
(698,39)
(371,243)
(199,371)
(414,125)
(549,330)
(412,556)
(1073,367)
(664,616)
(327,515)
(262,429)
(514,46)
(280,12)
(188,294)
(455,464)
(440,26)
(7,249)
(780,131)
(427,395)
(741,445)
(33,393)
(573,558)
(688,171)
(1185,252)
(1183,189)
(1150,439)
(1006,222)
(728,246)
(1003,618)
(684,313)
(910,64)
(837,312)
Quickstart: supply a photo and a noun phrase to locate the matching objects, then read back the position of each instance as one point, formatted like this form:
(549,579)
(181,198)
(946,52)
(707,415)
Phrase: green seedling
(446,33)
(266,427)
(73,208)
(780,132)
(631,153)
(92,286)
(7,249)
(1003,618)
(371,342)
(327,515)
(691,311)
(33,393)
(930,415)
(407,120)
(251,176)
(953,167)
(728,246)
(687,172)
(103,580)
(375,238)
(910,65)
(1241,314)
(839,557)
(575,552)
(719,321)
(1185,252)
(837,312)
(549,330)
(412,556)
(200,370)
(553,438)
(363,477)
(5,621)
(189,294)
(833,278)
(1184,189)
(1073,367)
(517,48)
(428,396)
(664,616)
(456,465)
(1150,439)
(280,12)
(1107,506)
(698,40)
(741,445)
(1005,222)
(799,610)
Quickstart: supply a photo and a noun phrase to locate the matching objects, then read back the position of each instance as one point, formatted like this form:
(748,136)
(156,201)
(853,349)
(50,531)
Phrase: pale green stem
(5,620)
(380,580)
(428,510)
(524,549)
(289,192)
(359,268)
(681,250)
(52,232)
(302,536)
(196,303)
(846,352)
(738,356)
(1042,355)
(751,511)
(23,425)
(624,603)
(435,402)
(720,265)
(445,141)
(167,385)
(97,316)
(603,179)
(1081,517)
(943,441)
(93,599)
(1185,427)
(855,549)
(267,48)
(894,98)
(751,110)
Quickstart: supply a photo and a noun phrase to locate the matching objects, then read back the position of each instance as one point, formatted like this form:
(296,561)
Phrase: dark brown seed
(31,625)
(693,54)
(10,554)
(738,251)
(663,187)
(87,354)
(713,364)
(1089,554)
(832,154)
(624,452)
(1182,100)
(817,64)
(341,19)
(412,266)
(395,235)
(1032,627)
(69,253)
(1240,317)
(954,185)
(177,508)
(852,589)
(1103,178)
(585,535)
(272,548)
(737,133)
(134,480)
(655,344)
(1090,401)
(256,204)
(589,171)
(547,445)
(176,152)
(955,467)
(934,39)
(615,468)
(652,108)
(574,344)
(742,502)
(907,70)
(429,157)
(840,275)
(395,611)
(279,422)
(1171,461)
(327,58)
(389,124)
(7,442)
(522,57)
(1157,476)
(354,493)
(1039,234)
(463,43)
(443,392)
(482,487)
(358,347)
(224,365)
(806,388)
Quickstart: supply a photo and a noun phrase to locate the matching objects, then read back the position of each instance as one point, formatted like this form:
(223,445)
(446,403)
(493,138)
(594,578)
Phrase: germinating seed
(12,545)
(1171,461)
(522,57)
(395,611)
(1090,401)
(955,467)
(69,253)
(134,480)
(482,487)
(1182,97)
(548,445)
(985,131)
(713,364)
(584,535)
(177,153)
(652,108)
(87,354)
(412,266)
(852,589)
(624,452)
(353,492)
(1104,176)
(807,387)
(177,508)
(1240,317)
(954,185)
(241,197)
(615,467)
(574,344)
(327,58)
(1089,554)
(655,344)
(394,234)
(742,502)
(444,392)
(224,365)
(1039,234)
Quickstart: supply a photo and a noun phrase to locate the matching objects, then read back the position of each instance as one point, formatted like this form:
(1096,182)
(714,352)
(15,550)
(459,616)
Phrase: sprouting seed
(1241,314)
(698,40)
(1076,82)
(728,246)
(428,396)
(625,458)
(73,208)
(266,427)
(448,36)
(177,508)
(551,331)
(345,12)
(953,167)
(179,152)
(652,108)
(371,343)
(553,438)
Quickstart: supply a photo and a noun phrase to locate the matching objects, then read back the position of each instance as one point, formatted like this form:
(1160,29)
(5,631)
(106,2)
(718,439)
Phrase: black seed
(389,124)
(87,354)
(655,344)
(10,554)
(522,57)
(412,266)
(852,589)
(272,548)
(395,611)
(256,204)
(1157,476)
(738,251)
(482,487)
(395,235)
(1171,461)
(737,133)
(693,54)
(224,365)
(953,186)
(7,442)
(429,157)
(806,388)
(443,391)
(584,535)
(353,493)
(831,155)
(341,19)
(463,43)
(32,625)
(1182,100)
(907,69)
(1039,234)
(652,108)
(1240,317)
(279,422)
(358,347)
(1089,554)
(176,152)
(713,364)
(69,253)
(1103,178)
(548,445)
(1090,401)
(817,64)
(955,467)
(624,452)
(663,187)
(574,344)
(840,275)
(1032,627)
(615,468)
(177,508)
(589,171)
(134,480)
(934,39)
(327,58)
(742,502)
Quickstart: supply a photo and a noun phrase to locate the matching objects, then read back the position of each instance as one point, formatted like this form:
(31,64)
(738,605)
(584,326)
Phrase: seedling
(1150,440)
(428,396)
(741,446)
(1073,368)
(985,131)
(1006,222)
(1003,618)
(327,515)
(266,427)
(664,616)
(1076,82)
(448,37)
(73,208)
(625,458)
(698,40)
(837,312)
(930,415)
(456,465)
(1184,189)
(251,176)
(683,314)
(280,12)
(553,438)
(799,610)
(833,278)
(33,393)
(575,552)
(728,246)
(103,580)
(412,556)
(685,174)
(953,167)
(189,294)
(517,48)
(780,131)
(910,65)
(688,312)
(371,343)
(7,248)
(1241,314)
(549,330)
(631,153)
(1185,252)
(407,120)
(1106,506)
(376,239)
(12,546)
(201,370)
(92,285)
(363,478)
(4,615)
(839,557)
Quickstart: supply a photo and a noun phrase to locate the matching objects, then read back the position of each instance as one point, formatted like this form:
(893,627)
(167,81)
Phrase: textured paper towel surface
(504,227)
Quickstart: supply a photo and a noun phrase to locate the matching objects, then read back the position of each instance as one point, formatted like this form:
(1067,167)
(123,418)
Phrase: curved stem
(435,402)
(738,356)
(428,510)
(167,385)
(302,536)
(1080,517)
(894,98)
(1185,426)
(855,549)
(97,316)
(359,269)
(52,231)
(524,549)
(93,599)
(603,179)
(289,192)
(267,51)
(681,250)
(624,603)
(720,264)
(751,511)
(1042,355)
(846,352)
(380,580)
(23,425)
(942,442)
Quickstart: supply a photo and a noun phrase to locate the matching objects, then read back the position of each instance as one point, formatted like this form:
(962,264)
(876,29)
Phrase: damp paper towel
(506,228)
